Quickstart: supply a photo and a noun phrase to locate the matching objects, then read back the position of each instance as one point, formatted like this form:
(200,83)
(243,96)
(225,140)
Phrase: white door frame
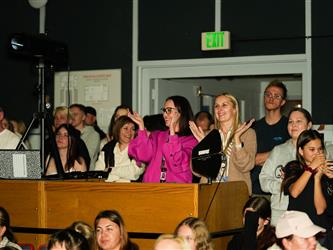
(215,67)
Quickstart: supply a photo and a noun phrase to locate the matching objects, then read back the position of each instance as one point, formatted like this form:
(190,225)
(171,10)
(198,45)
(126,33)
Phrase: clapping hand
(197,132)
(241,129)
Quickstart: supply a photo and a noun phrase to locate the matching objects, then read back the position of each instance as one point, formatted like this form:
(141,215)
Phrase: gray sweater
(270,177)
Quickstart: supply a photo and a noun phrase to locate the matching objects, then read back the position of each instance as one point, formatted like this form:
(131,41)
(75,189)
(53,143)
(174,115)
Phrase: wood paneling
(145,207)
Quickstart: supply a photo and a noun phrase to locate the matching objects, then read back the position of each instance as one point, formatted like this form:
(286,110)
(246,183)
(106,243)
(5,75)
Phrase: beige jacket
(242,160)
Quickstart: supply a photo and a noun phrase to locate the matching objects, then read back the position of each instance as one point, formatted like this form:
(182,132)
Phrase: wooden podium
(145,207)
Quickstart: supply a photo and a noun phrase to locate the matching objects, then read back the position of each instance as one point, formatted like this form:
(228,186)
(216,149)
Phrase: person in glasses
(166,153)
(239,141)
(66,137)
(271,130)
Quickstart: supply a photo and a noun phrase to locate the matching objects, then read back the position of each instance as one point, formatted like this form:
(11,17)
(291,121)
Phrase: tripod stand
(44,118)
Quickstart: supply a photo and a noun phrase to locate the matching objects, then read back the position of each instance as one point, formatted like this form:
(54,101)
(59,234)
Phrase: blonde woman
(239,140)
(171,242)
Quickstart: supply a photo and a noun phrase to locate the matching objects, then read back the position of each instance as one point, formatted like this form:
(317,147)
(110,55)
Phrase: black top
(246,240)
(305,201)
(82,150)
(268,136)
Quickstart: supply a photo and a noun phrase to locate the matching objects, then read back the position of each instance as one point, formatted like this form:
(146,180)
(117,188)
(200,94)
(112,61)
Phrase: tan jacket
(242,160)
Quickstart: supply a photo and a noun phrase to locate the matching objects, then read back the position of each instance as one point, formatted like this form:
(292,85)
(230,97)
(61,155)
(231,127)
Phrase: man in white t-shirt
(88,133)
(8,139)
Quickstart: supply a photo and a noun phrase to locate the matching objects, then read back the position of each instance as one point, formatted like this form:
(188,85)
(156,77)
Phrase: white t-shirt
(8,140)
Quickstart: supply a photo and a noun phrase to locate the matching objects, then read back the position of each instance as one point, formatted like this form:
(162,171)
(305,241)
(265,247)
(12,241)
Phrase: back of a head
(171,242)
(5,222)
(85,229)
(68,239)
(261,205)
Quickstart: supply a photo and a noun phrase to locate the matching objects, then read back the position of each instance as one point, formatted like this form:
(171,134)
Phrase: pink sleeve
(140,148)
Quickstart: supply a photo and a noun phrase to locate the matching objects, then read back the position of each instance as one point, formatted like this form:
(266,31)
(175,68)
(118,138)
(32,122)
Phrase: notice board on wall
(100,89)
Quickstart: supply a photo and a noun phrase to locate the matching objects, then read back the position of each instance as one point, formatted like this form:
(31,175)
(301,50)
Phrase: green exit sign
(215,40)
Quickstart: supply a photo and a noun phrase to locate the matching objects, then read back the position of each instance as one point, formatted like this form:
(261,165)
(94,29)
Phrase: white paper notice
(20,165)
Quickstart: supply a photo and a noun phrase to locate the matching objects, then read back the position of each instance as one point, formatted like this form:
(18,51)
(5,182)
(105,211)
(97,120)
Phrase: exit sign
(215,40)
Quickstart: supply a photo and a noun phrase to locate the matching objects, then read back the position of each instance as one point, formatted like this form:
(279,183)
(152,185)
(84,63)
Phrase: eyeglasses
(167,110)
(270,95)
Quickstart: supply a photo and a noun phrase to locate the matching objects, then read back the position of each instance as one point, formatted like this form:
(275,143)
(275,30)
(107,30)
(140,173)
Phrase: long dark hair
(71,239)
(186,114)
(262,206)
(72,151)
(304,138)
(5,222)
(294,169)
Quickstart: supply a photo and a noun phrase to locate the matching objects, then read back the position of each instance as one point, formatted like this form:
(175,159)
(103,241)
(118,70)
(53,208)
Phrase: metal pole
(41,83)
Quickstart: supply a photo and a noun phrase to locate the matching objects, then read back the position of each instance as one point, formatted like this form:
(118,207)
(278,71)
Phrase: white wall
(248,90)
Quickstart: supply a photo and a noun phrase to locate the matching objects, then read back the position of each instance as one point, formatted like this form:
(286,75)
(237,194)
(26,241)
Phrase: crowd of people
(282,160)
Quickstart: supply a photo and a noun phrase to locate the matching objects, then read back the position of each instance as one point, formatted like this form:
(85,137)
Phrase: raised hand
(197,132)
(241,129)
(137,119)
(174,123)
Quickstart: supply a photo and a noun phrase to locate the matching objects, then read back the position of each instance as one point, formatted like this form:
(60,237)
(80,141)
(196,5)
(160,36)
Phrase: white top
(124,170)
(8,140)
(92,140)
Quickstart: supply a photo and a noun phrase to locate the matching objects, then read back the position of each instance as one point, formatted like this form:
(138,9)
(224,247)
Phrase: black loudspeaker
(39,46)
(207,156)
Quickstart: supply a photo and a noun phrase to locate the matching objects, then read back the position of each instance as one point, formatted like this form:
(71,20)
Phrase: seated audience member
(114,155)
(306,179)
(62,115)
(67,239)
(204,120)
(88,133)
(295,230)
(154,122)
(271,175)
(8,125)
(66,140)
(8,139)
(111,233)
(258,233)
(121,110)
(86,230)
(18,126)
(171,242)
(195,232)
(167,153)
(91,120)
(238,140)
(7,238)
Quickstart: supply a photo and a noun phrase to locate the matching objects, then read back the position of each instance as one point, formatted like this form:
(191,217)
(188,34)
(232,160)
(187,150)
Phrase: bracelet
(307,168)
